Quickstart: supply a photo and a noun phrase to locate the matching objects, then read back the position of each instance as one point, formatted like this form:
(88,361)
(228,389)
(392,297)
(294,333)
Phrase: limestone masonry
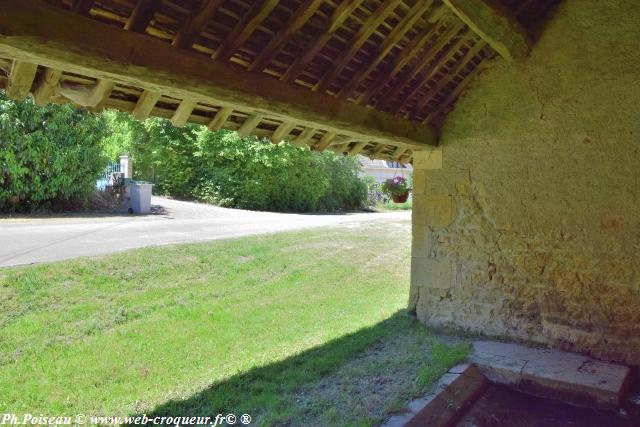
(526,219)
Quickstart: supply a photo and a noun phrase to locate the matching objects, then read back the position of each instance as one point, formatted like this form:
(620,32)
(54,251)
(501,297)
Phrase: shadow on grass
(306,389)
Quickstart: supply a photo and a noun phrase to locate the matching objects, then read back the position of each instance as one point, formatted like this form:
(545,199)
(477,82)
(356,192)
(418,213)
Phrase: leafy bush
(221,168)
(48,154)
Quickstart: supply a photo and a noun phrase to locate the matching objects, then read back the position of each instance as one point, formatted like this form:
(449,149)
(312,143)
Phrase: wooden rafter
(220,118)
(325,141)
(247,25)
(145,104)
(357,148)
(402,59)
(47,86)
(281,132)
(21,79)
(366,29)
(82,7)
(292,26)
(183,112)
(447,77)
(304,138)
(195,23)
(422,62)
(88,96)
(387,45)
(334,23)
(432,69)
(141,16)
(249,125)
(495,25)
(86,47)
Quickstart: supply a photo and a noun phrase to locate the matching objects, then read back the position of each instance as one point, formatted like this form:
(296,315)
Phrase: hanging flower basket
(397,188)
(400,198)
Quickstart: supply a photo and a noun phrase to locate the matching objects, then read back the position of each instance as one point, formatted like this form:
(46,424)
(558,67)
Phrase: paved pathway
(33,240)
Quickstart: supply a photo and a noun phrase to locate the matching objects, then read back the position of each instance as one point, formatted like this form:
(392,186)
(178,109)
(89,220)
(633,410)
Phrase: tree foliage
(224,169)
(48,154)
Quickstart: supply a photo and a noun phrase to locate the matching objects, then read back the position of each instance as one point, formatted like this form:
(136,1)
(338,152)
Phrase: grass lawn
(391,206)
(302,328)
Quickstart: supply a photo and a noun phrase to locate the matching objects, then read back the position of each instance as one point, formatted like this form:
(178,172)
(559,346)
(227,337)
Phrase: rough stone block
(427,159)
(431,273)
(568,377)
(456,393)
(419,182)
(433,211)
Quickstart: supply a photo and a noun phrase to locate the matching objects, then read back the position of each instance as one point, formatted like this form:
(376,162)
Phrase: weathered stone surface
(540,163)
(428,159)
(568,377)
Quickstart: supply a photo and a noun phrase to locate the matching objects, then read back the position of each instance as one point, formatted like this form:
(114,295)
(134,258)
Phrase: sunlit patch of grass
(232,325)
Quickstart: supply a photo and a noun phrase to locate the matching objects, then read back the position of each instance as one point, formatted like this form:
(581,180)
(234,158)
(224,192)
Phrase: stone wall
(527,220)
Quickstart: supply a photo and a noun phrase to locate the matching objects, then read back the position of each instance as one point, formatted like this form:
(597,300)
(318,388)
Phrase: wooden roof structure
(355,76)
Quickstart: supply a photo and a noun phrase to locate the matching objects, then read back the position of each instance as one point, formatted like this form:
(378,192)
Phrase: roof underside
(406,58)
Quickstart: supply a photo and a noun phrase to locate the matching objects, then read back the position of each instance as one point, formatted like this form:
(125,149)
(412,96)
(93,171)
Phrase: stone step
(568,377)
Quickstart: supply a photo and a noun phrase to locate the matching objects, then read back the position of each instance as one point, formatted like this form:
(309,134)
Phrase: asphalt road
(33,240)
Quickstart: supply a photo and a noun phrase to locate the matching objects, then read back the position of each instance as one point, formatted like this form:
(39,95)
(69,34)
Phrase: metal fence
(111,177)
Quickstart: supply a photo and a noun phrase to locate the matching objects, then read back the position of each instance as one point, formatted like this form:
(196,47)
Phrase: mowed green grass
(239,325)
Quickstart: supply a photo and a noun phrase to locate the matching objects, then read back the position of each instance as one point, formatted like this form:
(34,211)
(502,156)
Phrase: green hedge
(47,154)
(221,168)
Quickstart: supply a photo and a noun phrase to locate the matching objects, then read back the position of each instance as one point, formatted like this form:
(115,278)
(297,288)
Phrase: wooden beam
(447,77)
(82,7)
(20,79)
(304,138)
(195,23)
(249,125)
(422,62)
(281,132)
(325,141)
(183,112)
(495,25)
(48,86)
(357,148)
(243,29)
(398,153)
(340,14)
(366,29)
(87,47)
(145,104)
(398,32)
(295,22)
(88,96)
(432,70)
(142,15)
(220,118)
(402,59)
